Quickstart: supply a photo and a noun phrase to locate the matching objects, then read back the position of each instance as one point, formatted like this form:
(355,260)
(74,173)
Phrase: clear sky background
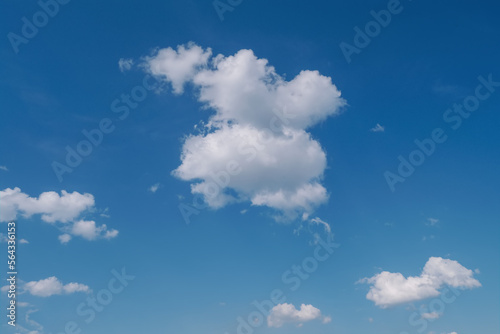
(200,277)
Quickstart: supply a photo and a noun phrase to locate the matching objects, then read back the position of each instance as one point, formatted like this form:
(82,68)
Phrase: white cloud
(88,229)
(52,286)
(320,222)
(287,313)
(23,241)
(4,168)
(431,315)
(125,64)
(255,146)
(316,227)
(378,128)
(64,238)
(178,67)
(389,289)
(154,187)
(52,206)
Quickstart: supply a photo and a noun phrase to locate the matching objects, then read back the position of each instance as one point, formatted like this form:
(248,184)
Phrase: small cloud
(125,64)
(287,313)
(4,168)
(222,304)
(388,224)
(320,222)
(430,237)
(378,128)
(431,221)
(431,315)
(154,187)
(370,320)
(105,213)
(243,211)
(393,288)
(53,286)
(88,230)
(64,238)
(23,241)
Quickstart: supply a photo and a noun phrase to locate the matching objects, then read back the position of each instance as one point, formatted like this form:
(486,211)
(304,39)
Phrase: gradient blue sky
(199,277)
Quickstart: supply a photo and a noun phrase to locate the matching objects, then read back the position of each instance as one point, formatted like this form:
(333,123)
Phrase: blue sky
(322,176)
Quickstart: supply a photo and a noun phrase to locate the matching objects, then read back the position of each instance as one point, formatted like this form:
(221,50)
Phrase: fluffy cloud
(88,229)
(255,146)
(178,67)
(389,289)
(287,313)
(64,238)
(52,286)
(53,208)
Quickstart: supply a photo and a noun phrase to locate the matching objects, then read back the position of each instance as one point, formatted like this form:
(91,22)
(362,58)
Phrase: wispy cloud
(378,128)
(154,188)
(432,221)
(125,64)
(429,237)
